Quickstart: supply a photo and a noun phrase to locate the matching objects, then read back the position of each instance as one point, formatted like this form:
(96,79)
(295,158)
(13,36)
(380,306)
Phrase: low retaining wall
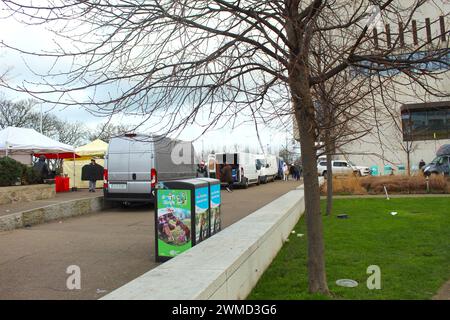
(226,266)
(52,212)
(26,193)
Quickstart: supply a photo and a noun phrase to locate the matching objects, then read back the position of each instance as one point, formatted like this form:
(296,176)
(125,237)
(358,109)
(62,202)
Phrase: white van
(244,167)
(135,162)
(269,167)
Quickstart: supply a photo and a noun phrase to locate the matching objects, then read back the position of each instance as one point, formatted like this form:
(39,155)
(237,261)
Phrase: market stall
(95,149)
(22,144)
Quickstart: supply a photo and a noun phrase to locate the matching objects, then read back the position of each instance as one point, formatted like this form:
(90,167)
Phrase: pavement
(111,247)
(15,207)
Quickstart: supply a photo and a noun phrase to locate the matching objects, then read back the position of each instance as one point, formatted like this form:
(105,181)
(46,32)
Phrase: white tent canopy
(29,141)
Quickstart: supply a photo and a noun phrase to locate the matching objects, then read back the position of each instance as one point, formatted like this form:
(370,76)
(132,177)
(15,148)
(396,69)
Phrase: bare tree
(108,130)
(21,114)
(16,114)
(174,60)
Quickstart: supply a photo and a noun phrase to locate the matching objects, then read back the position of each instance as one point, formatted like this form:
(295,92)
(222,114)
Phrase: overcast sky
(37,38)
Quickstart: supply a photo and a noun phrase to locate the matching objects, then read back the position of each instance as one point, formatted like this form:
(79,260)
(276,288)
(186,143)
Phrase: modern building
(410,123)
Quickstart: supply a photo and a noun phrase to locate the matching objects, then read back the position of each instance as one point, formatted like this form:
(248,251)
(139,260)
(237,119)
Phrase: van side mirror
(267,165)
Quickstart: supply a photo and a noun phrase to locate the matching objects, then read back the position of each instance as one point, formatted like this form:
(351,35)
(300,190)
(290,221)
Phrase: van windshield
(435,160)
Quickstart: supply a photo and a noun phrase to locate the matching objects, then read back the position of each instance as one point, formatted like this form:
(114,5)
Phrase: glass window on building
(426,123)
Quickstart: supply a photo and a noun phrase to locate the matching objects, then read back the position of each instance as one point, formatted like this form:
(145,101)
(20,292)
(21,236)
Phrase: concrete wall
(57,211)
(226,266)
(26,193)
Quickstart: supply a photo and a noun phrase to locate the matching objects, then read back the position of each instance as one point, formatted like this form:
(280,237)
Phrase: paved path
(444,292)
(6,209)
(111,248)
(365,196)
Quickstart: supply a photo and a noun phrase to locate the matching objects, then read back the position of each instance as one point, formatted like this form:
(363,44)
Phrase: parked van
(269,167)
(135,163)
(280,164)
(440,164)
(244,167)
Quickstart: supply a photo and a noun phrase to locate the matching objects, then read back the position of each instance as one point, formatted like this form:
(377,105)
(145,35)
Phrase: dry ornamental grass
(394,184)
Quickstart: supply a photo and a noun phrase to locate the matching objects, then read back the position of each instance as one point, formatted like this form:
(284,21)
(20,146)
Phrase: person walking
(297,172)
(421,164)
(292,171)
(285,171)
(201,170)
(92,182)
(227,176)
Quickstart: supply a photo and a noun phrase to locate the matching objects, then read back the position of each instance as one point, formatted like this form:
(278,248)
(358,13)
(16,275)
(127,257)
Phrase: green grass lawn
(412,250)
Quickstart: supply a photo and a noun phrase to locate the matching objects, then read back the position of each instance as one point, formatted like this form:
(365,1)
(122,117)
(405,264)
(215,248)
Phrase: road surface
(111,248)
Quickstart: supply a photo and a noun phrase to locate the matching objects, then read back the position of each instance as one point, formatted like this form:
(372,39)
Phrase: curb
(62,210)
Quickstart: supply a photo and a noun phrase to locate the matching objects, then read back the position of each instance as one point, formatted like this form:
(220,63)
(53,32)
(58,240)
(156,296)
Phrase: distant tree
(16,114)
(105,131)
(21,114)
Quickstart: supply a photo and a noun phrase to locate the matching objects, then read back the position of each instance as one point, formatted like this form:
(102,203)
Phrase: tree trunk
(408,162)
(329,174)
(304,113)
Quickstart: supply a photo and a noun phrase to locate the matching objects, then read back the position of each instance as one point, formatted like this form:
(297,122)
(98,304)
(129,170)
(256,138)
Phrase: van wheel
(324,174)
(246,183)
(258,182)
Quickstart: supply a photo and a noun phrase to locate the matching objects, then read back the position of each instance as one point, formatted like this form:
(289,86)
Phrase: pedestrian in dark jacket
(227,176)
(297,172)
(421,164)
(201,170)
(41,168)
(92,182)
(292,171)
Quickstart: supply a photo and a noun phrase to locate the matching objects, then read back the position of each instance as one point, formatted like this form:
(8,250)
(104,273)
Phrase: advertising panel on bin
(174,222)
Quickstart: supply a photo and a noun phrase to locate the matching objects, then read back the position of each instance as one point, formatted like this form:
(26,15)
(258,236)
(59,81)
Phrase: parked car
(244,167)
(440,164)
(269,167)
(361,171)
(135,162)
(339,167)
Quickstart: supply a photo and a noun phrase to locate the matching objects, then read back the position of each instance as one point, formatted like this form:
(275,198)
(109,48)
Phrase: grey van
(136,162)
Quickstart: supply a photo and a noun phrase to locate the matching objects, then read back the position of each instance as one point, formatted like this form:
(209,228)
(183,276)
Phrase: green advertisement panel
(216,220)
(174,218)
(201,214)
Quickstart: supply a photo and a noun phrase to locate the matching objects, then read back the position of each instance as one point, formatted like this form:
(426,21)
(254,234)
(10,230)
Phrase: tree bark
(408,162)
(304,113)
(329,174)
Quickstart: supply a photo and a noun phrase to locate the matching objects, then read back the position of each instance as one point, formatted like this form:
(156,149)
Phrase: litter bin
(215,220)
(387,169)
(374,170)
(181,217)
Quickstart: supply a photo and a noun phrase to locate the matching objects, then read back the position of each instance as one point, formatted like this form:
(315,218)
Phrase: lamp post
(41,119)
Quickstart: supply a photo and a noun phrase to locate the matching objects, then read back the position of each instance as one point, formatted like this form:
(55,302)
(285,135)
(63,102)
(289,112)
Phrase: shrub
(30,176)
(347,185)
(10,171)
